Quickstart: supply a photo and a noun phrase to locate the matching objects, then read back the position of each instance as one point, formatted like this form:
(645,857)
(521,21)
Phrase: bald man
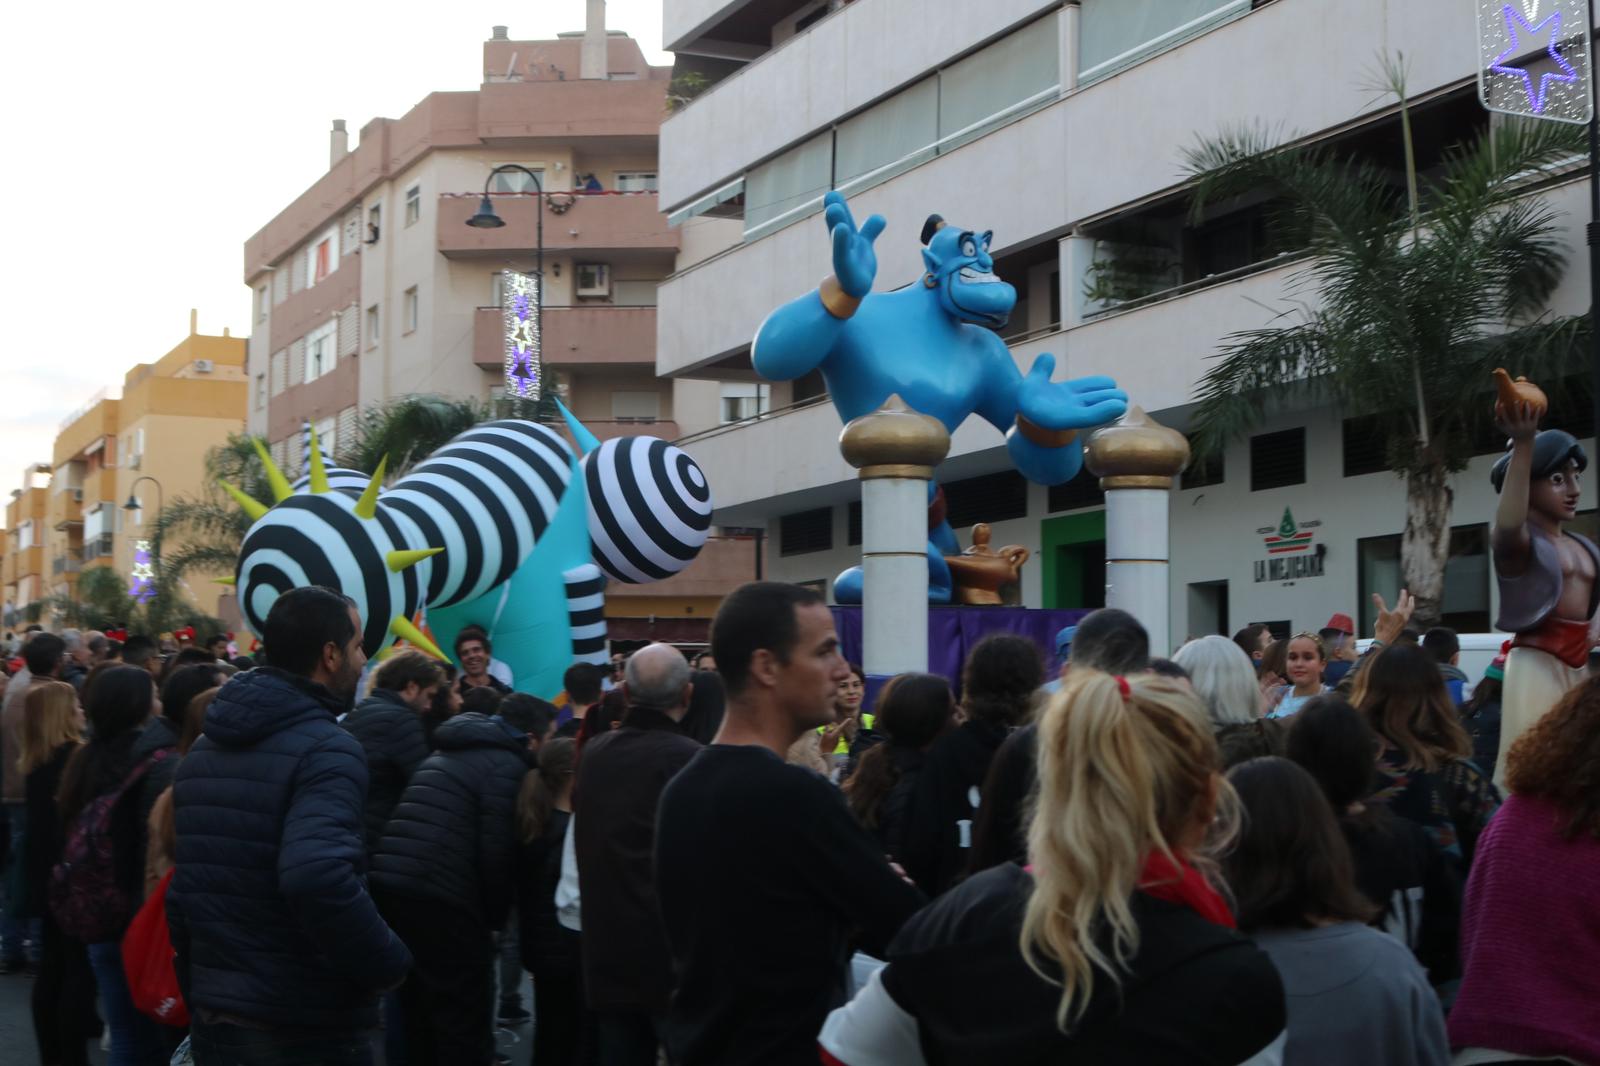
(627,965)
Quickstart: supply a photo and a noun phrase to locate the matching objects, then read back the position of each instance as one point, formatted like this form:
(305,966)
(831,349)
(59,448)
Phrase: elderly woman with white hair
(1225,680)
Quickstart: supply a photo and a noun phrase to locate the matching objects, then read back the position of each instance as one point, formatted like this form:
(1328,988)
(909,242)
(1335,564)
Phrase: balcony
(591,335)
(66,509)
(589,222)
(66,564)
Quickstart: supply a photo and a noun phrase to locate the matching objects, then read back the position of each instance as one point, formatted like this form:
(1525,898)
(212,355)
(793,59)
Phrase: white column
(894,564)
(1071,15)
(1138,559)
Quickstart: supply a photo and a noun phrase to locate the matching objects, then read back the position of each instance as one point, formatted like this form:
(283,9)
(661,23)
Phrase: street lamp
(487,219)
(133,503)
(144,565)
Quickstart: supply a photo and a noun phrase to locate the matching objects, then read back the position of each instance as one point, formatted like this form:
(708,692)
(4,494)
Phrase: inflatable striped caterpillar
(504,527)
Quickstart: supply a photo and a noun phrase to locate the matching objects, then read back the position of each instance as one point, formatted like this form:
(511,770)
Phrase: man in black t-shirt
(765,880)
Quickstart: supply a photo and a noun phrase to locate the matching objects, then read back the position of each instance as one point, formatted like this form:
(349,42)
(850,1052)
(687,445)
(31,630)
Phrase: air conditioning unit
(204,366)
(135,461)
(77,495)
(594,279)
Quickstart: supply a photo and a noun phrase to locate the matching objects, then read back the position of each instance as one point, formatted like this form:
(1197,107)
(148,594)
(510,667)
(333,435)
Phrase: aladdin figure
(1547,577)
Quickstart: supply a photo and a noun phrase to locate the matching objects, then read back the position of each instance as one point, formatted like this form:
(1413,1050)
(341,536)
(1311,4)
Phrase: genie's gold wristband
(839,303)
(1045,438)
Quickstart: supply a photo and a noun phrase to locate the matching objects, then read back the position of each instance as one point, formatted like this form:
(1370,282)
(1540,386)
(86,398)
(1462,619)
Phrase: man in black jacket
(443,876)
(627,965)
(280,952)
(765,878)
(388,724)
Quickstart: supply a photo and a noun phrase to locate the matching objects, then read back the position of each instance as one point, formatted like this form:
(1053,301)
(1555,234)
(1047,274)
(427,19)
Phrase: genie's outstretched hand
(855,264)
(1078,404)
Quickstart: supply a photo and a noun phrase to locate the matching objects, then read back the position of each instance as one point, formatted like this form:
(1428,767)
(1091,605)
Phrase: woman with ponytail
(1111,946)
(913,711)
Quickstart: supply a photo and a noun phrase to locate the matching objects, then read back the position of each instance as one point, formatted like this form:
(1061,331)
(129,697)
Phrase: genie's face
(959,262)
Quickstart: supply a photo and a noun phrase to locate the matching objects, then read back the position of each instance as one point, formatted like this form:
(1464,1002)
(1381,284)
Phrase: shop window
(1278,459)
(1466,578)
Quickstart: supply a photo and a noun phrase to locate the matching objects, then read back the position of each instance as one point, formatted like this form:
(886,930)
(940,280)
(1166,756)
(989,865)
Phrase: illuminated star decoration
(521,317)
(1536,96)
(143,573)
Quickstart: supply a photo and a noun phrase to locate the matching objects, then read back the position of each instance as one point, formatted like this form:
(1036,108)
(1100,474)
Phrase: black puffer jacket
(453,837)
(391,734)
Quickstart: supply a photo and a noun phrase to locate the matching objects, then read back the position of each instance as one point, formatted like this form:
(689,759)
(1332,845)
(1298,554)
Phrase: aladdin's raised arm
(1517,412)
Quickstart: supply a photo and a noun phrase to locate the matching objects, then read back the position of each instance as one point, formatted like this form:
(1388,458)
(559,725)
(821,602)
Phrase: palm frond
(409,429)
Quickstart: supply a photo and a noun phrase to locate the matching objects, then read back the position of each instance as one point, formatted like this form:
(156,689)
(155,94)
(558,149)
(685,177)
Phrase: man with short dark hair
(627,965)
(217,645)
(388,725)
(98,646)
(473,652)
(1442,644)
(582,683)
(43,657)
(280,952)
(765,879)
(141,651)
(1109,640)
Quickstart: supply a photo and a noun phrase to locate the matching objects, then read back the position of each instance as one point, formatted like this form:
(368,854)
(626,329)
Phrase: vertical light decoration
(521,315)
(1534,58)
(144,573)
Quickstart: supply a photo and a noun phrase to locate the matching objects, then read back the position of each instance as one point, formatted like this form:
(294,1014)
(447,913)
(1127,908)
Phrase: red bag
(147,955)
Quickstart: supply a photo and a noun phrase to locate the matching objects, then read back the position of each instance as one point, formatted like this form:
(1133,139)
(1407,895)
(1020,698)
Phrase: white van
(1478,650)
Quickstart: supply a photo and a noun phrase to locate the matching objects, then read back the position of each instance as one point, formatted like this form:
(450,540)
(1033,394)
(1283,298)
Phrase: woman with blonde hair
(1111,946)
(1425,771)
(63,994)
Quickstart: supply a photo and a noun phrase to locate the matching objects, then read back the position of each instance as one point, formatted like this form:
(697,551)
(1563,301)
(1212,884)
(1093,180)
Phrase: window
(634,293)
(1278,459)
(1117,34)
(786,188)
(263,302)
(1082,491)
(261,392)
(102,546)
(515,180)
(852,524)
(987,498)
(374,326)
(887,139)
(980,92)
(1204,471)
(1466,578)
(321,350)
(594,279)
(374,223)
(408,310)
(322,258)
(741,400)
(636,181)
(413,204)
(327,437)
(278,370)
(1366,444)
(635,406)
(805,532)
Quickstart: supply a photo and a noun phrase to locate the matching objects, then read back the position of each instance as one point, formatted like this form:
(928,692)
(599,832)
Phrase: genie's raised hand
(1078,404)
(855,264)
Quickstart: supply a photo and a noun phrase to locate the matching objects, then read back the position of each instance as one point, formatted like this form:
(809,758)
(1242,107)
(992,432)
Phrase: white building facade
(1060,126)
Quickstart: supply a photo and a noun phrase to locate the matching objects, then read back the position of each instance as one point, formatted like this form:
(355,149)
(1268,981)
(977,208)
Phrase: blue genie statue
(934,345)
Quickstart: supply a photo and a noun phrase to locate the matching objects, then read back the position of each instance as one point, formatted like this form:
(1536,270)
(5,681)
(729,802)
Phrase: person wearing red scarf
(1112,946)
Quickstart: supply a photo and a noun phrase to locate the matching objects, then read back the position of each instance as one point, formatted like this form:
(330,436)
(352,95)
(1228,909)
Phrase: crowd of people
(1255,851)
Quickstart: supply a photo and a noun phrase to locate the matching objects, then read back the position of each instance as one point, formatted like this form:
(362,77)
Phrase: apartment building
(22,567)
(370,285)
(1060,127)
(146,443)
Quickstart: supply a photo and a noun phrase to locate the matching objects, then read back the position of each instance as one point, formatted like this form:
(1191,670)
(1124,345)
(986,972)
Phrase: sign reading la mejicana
(1534,59)
(1291,550)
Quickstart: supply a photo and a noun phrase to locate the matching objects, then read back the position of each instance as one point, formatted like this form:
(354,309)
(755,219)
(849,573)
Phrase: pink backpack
(84,896)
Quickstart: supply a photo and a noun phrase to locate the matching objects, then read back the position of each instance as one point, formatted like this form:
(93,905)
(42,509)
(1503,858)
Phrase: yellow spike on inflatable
(367,505)
(399,560)
(402,627)
(319,473)
(225,581)
(280,484)
(254,508)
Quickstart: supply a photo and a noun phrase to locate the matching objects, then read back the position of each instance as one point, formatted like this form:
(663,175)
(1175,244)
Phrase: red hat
(1341,623)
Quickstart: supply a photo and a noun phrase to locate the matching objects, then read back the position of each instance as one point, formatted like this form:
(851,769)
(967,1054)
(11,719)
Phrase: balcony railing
(588,334)
(587,222)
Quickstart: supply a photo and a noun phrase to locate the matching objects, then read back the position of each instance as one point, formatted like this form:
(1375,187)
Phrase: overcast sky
(149,140)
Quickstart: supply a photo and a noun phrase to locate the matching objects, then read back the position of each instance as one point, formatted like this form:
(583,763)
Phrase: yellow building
(22,569)
(149,446)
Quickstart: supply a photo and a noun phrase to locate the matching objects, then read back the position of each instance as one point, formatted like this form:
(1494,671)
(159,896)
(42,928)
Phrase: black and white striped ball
(649,508)
(318,539)
(340,478)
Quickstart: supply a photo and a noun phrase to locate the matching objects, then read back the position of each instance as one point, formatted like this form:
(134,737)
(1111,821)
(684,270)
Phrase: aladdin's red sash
(1566,640)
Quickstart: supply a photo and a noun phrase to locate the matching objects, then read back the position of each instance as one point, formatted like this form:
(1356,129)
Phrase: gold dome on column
(1136,453)
(894,441)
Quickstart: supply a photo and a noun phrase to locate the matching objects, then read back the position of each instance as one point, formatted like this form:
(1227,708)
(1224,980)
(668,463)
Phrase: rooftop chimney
(338,143)
(592,61)
(194,321)
(498,33)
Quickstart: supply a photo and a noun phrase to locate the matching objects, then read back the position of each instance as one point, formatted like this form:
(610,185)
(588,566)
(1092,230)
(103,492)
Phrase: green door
(1074,550)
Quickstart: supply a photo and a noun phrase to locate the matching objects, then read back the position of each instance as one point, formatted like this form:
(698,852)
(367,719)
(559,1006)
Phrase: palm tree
(1407,304)
(199,534)
(408,430)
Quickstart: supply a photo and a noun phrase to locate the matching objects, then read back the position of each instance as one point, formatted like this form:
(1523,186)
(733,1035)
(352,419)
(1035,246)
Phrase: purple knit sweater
(1530,938)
